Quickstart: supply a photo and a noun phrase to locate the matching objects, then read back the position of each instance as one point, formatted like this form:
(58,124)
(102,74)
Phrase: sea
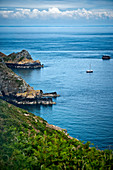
(85,105)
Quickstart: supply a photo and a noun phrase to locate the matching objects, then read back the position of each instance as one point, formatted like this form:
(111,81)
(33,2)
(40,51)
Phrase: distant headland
(20,60)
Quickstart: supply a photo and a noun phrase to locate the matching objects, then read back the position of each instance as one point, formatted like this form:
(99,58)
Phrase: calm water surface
(85,105)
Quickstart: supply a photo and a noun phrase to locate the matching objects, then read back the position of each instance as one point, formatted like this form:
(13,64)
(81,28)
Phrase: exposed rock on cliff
(10,83)
(20,60)
(14,89)
(53,94)
(2,55)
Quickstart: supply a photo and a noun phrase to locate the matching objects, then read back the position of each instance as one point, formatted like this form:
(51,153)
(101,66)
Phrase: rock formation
(2,55)
(53,94)
(20,60)
(10,83)
(14,89)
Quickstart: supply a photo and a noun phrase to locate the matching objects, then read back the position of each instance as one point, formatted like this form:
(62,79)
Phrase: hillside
(29,142)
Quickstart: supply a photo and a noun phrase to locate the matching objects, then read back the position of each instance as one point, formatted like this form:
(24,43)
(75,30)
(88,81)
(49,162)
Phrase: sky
(56,12)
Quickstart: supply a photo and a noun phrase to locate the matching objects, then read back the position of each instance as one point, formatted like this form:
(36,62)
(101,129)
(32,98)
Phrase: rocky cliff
(20,60)
(14,89)
(10,83)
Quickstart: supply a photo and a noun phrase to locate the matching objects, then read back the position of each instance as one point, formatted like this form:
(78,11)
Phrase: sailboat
(89,71)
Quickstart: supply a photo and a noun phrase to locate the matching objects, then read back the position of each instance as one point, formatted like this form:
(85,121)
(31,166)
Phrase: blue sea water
(85,105)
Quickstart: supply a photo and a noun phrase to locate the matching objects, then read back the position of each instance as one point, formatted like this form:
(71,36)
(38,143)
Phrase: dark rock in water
(53,94)
(105,57)
(28,101)
(24,65)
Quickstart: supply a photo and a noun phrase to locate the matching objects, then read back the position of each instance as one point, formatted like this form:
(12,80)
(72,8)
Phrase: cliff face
(20,56)
(16,57)
(14,89)
(2,55)
(20,60)
(11,83)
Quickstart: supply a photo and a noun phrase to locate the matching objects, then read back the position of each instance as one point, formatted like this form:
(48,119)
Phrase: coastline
(25,66)
(28,140)
(14,89)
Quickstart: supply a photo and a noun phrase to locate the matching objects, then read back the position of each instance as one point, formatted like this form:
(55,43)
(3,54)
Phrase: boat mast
(90,67)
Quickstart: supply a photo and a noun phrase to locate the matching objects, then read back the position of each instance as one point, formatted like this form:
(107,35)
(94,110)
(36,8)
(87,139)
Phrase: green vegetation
(19,82)
(26,143)
(9,58)
(21,59)
(6,59)
(13,57)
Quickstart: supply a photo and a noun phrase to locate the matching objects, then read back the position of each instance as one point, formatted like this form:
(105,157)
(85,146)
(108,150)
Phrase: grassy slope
(26,143)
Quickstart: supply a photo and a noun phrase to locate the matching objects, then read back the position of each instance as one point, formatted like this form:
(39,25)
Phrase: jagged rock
(24,54)
(10,83)
(2,54)
(21,60)
(16,57)
(30,94)
(53,94)
(15,90)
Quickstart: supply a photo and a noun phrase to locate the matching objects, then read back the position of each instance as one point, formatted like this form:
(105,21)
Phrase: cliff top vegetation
(27,142)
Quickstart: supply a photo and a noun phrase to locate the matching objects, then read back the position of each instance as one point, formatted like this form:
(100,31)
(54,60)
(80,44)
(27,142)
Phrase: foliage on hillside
(27,143)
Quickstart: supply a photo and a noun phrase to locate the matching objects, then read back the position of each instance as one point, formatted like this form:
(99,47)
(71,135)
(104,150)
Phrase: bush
(28,144)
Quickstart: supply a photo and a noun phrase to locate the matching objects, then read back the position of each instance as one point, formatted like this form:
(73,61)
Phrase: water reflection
(31,76)
(27,72)
(37,109)
(32,108)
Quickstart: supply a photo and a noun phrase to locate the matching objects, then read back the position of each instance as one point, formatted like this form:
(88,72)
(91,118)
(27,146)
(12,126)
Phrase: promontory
(15,90)
(20,60)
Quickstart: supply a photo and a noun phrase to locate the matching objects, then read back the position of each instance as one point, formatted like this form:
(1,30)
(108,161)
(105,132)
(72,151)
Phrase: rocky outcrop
(53,94)
(28,101)
(2,55)
(11,83)
(20,60)
(20,56)
(33,97)
(14,89)
(56,128)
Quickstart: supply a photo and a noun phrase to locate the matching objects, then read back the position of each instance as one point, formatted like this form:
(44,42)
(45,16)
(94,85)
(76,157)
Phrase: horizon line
(107,25)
